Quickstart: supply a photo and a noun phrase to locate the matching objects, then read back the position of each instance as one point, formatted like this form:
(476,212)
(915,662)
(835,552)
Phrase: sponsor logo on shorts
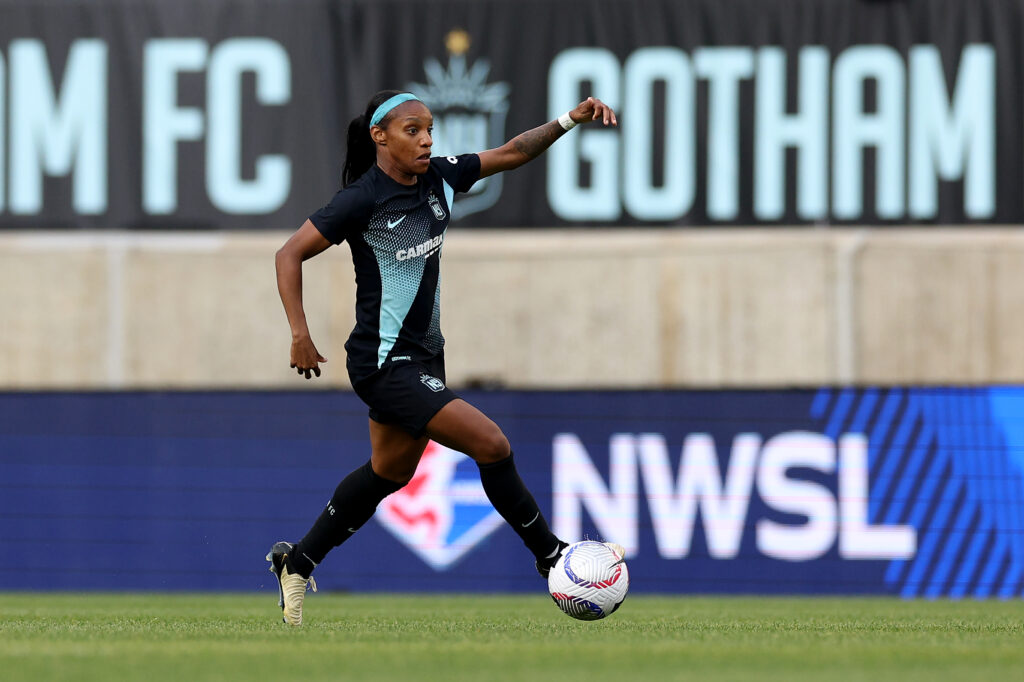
(401,357)
(433,383)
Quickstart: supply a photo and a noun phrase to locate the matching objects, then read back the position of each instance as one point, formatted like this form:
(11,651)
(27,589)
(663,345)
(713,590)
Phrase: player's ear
(379,135)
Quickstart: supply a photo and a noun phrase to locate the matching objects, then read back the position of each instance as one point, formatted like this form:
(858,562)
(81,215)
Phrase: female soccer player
(393,210)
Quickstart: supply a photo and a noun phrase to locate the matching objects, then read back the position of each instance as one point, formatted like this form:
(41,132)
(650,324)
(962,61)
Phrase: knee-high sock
(354,502)
(508,494)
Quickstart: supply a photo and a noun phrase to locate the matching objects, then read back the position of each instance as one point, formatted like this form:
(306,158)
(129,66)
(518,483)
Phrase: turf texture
(152,637)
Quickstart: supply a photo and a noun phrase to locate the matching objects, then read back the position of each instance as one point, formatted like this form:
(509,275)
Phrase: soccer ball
(589,581)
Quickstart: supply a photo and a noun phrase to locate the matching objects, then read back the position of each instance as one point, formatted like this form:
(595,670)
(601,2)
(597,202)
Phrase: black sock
(354,502)
(508,494)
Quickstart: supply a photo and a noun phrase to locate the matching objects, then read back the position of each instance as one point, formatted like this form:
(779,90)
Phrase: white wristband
(566,122)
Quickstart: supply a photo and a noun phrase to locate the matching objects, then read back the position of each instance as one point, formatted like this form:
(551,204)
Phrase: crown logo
(460,86)
(469,114)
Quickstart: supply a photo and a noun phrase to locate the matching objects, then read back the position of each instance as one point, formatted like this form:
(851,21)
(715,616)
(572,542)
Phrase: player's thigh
(460,426)
(394,453)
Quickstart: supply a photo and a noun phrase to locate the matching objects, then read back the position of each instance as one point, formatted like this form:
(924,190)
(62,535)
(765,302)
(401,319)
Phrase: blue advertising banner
(903,491)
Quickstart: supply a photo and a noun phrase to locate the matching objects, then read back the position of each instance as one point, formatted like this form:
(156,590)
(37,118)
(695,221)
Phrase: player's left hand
(593,109)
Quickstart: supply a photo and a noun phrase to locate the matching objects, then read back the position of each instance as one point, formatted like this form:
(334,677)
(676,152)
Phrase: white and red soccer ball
(589,581)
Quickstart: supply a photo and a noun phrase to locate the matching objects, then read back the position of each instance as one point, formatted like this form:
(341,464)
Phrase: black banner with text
(211,114)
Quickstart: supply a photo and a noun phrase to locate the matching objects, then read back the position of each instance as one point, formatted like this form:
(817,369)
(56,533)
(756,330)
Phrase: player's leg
(393,460)
(395,454)
(460,426)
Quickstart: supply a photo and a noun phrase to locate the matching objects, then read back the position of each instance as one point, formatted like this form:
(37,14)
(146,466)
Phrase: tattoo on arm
(533,142)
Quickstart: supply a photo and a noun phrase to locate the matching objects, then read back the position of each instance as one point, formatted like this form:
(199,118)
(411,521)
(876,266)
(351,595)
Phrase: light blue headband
(390,104)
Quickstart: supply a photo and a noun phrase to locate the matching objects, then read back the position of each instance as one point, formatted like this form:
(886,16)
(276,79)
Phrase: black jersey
(396,233)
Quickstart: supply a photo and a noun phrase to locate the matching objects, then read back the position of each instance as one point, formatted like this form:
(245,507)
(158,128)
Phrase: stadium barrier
(530,309)
(902,491)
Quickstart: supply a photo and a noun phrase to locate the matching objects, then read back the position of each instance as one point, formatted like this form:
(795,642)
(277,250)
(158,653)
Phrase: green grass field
(155,637)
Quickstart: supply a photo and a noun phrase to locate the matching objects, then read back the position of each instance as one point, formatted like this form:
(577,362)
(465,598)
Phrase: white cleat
(291,586)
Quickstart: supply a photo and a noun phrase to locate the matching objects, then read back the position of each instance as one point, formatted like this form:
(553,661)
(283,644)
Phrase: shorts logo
(443,512)
(433,383)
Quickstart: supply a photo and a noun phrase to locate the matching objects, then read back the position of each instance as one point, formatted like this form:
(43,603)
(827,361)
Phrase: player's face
(409,138)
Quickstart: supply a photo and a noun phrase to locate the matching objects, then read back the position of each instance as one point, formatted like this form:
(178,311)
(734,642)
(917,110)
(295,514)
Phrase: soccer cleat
(544,565)
(291,587)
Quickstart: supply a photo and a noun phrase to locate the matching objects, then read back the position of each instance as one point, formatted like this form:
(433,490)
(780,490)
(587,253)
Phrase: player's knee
(398,474)
(493,447)
(398,471)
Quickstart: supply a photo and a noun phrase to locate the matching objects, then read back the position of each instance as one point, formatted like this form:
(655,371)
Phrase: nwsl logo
(469,114)
(443,512)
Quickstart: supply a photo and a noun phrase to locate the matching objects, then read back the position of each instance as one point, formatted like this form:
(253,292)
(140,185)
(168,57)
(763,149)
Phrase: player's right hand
(593,109)
(305,357)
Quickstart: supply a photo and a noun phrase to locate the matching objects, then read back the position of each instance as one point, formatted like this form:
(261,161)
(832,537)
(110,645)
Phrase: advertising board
(902,491)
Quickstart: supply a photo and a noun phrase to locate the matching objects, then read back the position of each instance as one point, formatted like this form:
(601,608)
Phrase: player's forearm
(533,143)
(289,286)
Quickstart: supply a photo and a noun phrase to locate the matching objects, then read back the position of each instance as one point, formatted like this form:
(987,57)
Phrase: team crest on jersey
(435,206)
(443,512)
(469,114)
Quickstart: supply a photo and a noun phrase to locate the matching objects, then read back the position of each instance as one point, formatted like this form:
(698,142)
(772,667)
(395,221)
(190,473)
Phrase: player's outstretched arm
(303,245)
(531,144)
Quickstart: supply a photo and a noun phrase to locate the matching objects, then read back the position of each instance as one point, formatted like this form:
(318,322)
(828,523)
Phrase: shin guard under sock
(508,494)
(354,502)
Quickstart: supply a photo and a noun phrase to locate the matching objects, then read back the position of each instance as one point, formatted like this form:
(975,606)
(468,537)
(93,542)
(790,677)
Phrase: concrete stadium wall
(531,309)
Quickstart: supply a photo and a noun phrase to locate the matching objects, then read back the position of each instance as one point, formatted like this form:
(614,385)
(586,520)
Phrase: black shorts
(406,393)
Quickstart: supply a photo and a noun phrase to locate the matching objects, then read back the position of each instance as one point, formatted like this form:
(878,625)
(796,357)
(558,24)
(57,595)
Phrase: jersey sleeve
(347,214)
(460,172)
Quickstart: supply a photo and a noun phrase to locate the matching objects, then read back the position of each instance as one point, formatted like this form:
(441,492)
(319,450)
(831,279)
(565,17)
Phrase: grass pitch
(154,637)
